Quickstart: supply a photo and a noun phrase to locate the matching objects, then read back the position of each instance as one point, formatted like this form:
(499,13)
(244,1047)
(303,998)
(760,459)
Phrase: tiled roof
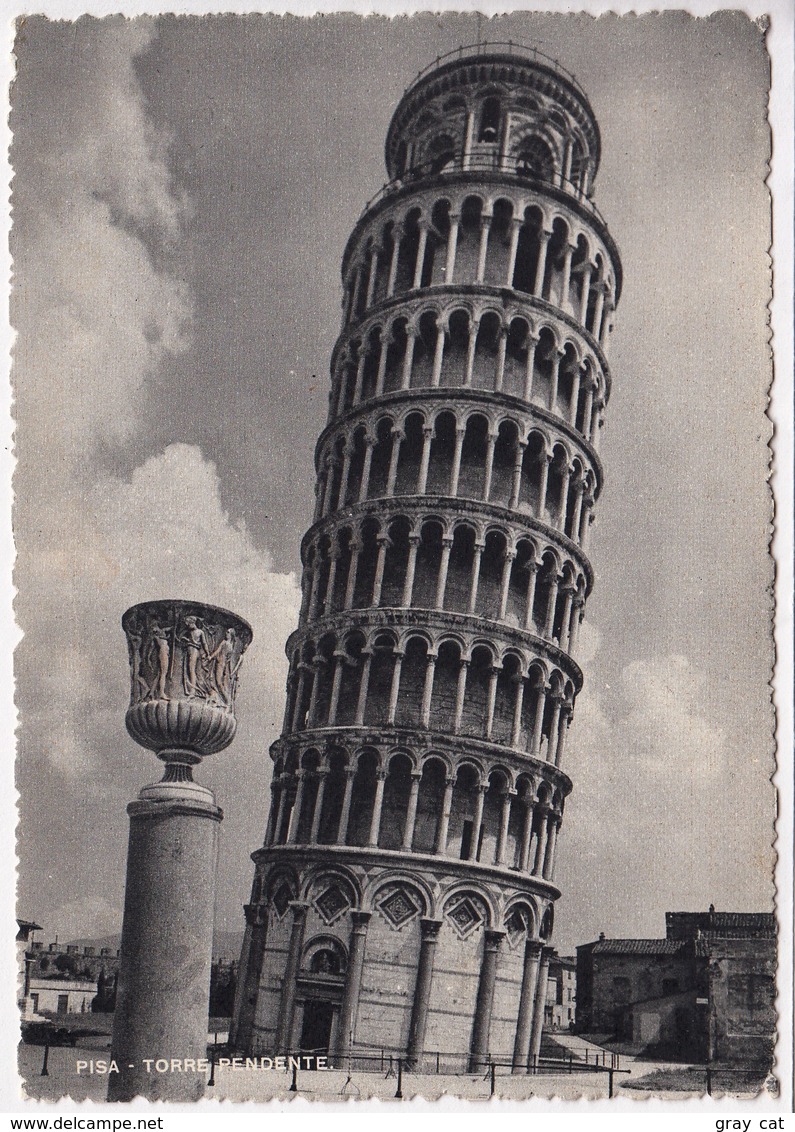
(638,946)
(721,924)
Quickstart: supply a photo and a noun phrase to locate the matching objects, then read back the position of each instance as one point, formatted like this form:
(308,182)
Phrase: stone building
(706,992)
(561,993)
(403,897)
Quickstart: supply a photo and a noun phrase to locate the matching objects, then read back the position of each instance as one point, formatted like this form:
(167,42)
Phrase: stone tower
(403,898)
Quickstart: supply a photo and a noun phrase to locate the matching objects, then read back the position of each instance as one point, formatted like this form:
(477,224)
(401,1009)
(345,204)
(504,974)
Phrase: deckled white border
(596,1115)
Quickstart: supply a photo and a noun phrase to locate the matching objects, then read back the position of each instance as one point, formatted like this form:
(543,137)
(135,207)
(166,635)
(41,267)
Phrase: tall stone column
(485,1000)
(284,1024)
(422,989)
(353,985)
(524,1023)
(538,1008)
(251,971)
(184,662)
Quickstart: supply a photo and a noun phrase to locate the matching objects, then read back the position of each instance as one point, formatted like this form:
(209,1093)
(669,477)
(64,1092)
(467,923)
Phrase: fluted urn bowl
(185,660)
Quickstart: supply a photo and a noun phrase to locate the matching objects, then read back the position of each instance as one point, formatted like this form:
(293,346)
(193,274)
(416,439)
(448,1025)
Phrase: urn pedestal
(184,663)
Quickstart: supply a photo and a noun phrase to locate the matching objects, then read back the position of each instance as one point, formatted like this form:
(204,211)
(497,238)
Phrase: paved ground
(262,1085)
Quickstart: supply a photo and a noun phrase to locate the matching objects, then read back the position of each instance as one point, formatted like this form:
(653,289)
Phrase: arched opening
(442,450)
(542,368)
(491,568)
(396,800)
(397,557)
(355,469)
(473,721)
(333,796)
(365,570)
(502,472)
(384,261)
(473,458)
(468,247)
(396,352)
(463,812)
(547,579)
(484,370)
(344,557)
(364,280)
(456,351)
(557,486)
(379,687)
(530,483)
(429,559)
(407,255)
(556,252)
(437,238)
(514,374)
(534,159)
(324,671)
(372,358)
(499,244)
(489,128)
(579,263)
(440,154)
(335,473)
(492,816)
(522,570)
(380,460)
(362,799)
(350,679)
(412,683)
(569,366)
(429,805)
(508,680)
(459,570)
(527,250)
(410,455)
(535,684)
(309,764)
(424,351)
(445,687)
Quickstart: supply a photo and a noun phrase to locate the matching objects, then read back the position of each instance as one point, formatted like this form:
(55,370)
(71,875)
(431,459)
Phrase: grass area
(694,1080)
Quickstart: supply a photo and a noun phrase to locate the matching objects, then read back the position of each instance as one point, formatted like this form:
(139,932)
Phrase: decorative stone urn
(184,663)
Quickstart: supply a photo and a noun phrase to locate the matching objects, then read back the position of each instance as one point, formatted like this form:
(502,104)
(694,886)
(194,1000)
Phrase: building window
(34,1002)
(489,120)
(63,1003)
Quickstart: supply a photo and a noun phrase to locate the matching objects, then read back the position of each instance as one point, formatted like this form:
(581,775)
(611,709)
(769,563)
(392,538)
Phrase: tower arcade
(403,897)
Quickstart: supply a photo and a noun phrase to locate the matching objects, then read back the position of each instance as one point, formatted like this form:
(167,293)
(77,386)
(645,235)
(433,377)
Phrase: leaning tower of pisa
(403,898)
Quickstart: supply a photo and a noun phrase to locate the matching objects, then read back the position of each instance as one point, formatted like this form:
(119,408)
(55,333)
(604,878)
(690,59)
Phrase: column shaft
(524,1023)
(485,1000)
(422,989)
(284,1025)
(353,986)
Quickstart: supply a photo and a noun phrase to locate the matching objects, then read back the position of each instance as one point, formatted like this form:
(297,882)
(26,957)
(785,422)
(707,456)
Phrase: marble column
(524,1023)
(286,1016)
(429,930)
(484,1005)
(540,1003)
(346,1033)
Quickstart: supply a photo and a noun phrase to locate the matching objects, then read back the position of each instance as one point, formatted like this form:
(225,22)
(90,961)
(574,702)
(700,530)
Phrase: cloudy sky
(183,192)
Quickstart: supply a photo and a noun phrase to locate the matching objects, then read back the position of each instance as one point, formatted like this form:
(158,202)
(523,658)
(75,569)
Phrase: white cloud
(653,810)
(70,919)
(98,312)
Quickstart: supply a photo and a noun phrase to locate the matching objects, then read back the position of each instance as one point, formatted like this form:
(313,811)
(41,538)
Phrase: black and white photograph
(397,523)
